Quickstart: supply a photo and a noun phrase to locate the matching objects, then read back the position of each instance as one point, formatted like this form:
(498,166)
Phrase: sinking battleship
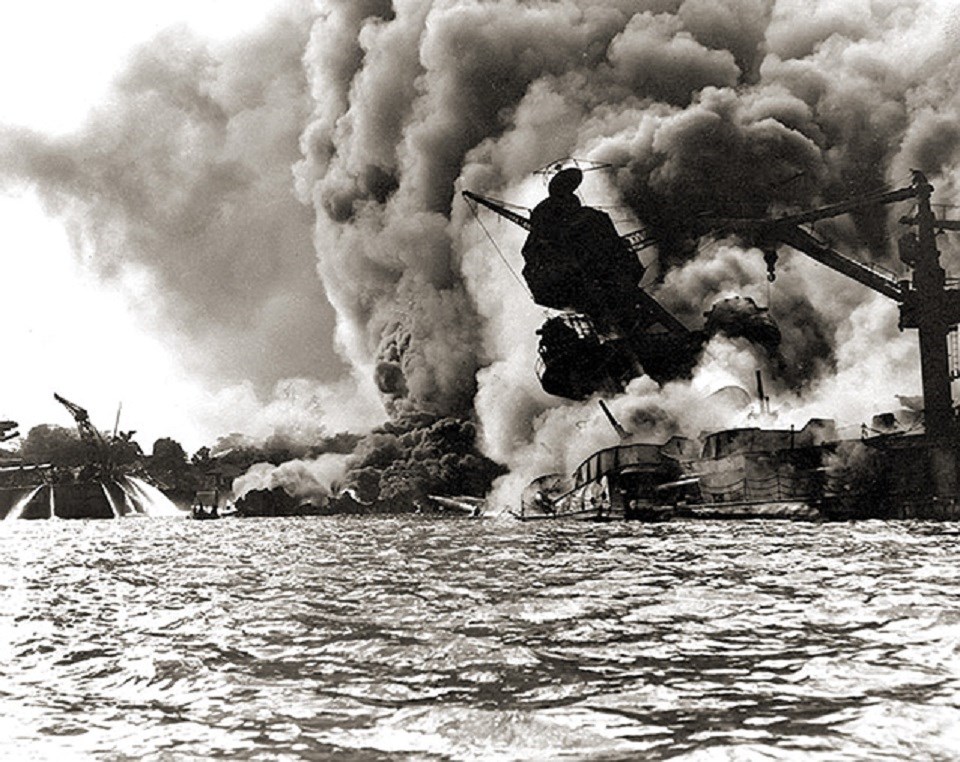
(104,487)
(610,330)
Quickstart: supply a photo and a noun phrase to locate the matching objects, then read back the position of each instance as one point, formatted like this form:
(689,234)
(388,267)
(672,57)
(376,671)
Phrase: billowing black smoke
(403,462)
(737,107)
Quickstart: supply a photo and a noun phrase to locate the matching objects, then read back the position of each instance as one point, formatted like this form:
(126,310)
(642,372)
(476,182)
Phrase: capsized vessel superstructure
(105,486)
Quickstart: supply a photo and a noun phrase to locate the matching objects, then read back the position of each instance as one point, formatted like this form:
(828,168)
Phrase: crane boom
(844,207)
(87,430)
(861,272)
(769,232)
(926,302)
(768,224)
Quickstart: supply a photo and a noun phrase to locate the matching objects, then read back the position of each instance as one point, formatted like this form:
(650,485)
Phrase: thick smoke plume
(179,189)
(738,107)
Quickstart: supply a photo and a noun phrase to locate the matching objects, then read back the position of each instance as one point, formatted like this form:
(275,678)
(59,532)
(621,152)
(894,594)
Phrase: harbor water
(384,638)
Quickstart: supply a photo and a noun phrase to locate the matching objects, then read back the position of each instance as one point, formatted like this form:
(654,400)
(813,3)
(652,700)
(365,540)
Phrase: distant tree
(168,465)
(166,450)
(168,458)
(60,446)
(201,458)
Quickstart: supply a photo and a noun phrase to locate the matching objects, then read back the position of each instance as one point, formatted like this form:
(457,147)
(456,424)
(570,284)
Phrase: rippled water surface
(374,639)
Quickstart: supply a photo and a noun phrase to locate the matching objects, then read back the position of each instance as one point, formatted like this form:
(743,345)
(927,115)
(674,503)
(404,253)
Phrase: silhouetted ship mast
(609,330)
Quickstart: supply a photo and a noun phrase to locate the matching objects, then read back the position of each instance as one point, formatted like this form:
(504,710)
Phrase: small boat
(206,506)
(199,513)
(464,505)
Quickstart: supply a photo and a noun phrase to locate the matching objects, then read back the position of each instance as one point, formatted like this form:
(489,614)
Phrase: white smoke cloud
(179,192)
(309,480)
(738,107)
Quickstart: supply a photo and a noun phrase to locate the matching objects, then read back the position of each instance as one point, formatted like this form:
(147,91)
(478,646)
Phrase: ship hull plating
(743,474)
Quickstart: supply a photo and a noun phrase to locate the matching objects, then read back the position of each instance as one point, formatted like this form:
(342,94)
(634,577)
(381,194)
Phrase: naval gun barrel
(621,432)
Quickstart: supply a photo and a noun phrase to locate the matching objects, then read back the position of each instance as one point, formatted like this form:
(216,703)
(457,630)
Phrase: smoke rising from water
(179,189)
(748,108)
(738,107)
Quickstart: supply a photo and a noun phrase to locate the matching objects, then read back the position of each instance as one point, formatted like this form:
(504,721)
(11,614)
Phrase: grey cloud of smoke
(433,81)
(700,109)
(829,102)
(183,178)
(733,107)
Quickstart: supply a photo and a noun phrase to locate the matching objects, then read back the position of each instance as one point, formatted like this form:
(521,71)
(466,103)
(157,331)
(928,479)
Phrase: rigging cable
(513,272)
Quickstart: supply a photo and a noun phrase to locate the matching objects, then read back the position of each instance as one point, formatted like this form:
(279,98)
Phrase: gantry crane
(926,302)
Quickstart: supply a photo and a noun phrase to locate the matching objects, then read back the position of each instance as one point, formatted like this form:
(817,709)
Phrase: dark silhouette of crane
(926,302)
(89,434)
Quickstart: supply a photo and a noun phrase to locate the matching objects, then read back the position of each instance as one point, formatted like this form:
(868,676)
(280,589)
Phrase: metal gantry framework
(926,301)
(81,417)
(88,432)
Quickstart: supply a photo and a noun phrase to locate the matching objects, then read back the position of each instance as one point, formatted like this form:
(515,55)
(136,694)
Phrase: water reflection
(394,638)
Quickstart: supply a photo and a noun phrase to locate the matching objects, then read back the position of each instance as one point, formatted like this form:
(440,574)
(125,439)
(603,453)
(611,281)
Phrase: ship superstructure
(928,302)
(607,329)
(107,484)
(611,330)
